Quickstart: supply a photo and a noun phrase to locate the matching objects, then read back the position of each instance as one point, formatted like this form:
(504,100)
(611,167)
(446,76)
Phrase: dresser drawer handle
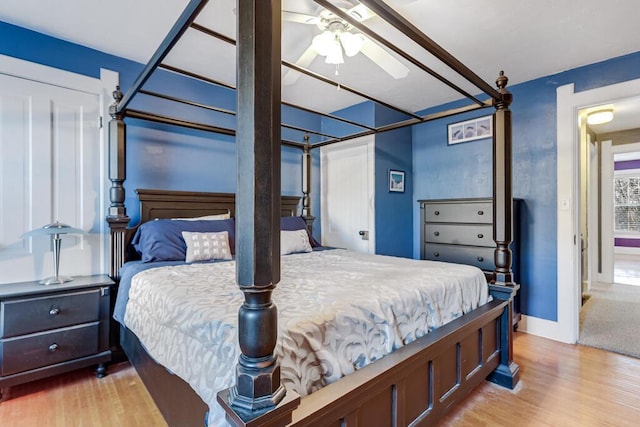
(480,235)
(480,212)
(480,259)
(53,347)
(54,311)
(436,213)
(436,254)
(436,233)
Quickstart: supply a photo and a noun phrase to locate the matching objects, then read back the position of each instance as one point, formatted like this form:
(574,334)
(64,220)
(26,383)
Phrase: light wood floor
(561,385)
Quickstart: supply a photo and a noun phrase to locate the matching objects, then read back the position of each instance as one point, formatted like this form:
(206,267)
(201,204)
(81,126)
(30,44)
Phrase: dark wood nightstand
(50,329)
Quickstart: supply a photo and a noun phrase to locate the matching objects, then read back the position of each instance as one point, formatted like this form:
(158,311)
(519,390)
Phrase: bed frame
(418,382)
(415,385)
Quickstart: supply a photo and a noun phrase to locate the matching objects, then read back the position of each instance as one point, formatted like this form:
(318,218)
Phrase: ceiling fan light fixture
(352,43)
(335,54)
(323,43)
(600,117)
(328,45)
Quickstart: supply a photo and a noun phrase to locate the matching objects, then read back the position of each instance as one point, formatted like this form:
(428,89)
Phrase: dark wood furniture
(461,231)
(418,382)
(48,330)
(414,386)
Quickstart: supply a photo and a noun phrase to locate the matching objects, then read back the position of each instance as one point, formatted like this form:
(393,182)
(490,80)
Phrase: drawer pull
(480,235)
(436,254)
(480,259)
(480,212)
(53,347)
(436,213)
(436,233)
(54,311)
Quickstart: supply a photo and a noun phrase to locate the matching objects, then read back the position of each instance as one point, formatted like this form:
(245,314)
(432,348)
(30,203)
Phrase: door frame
(369,142)
(569,103)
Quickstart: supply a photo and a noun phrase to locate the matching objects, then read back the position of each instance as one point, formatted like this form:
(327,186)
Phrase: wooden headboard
(158,204)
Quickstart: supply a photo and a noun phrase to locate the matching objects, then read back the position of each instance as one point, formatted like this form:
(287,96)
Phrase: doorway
(347,191)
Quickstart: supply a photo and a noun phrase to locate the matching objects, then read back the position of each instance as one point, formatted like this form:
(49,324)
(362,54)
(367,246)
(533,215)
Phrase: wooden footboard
(415,385)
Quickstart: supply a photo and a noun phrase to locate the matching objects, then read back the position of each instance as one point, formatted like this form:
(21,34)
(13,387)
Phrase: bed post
(258,397)
(306,185)
(508,373)
(117,214)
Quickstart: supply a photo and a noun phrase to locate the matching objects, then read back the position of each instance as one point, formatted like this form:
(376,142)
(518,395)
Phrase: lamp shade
(53,228)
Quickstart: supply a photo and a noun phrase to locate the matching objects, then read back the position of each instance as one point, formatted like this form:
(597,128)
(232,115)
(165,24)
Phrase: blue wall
(394,234)
(464,170)
(160,156)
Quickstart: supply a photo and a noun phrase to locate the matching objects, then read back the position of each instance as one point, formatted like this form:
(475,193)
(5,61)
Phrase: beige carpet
(610,319)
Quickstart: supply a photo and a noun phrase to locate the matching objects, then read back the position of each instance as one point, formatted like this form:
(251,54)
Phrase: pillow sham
(290,223)
(206,217)
(294,241)
(162,240)
(206,246)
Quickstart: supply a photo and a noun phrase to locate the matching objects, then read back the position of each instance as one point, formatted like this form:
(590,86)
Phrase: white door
(50,169)
(347,187)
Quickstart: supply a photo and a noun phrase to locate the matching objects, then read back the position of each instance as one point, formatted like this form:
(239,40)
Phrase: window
(627,203)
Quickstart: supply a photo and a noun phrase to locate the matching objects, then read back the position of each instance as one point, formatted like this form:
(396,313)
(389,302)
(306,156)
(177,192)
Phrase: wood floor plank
(561,385)
(79,399)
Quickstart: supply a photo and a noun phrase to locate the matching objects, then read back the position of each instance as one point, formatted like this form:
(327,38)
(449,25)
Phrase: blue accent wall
(464,170)
(393,151)
(161,156)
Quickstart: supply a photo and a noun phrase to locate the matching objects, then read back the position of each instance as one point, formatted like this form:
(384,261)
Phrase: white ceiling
(527,39)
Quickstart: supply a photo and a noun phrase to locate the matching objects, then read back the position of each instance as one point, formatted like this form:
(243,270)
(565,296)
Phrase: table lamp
(54,230)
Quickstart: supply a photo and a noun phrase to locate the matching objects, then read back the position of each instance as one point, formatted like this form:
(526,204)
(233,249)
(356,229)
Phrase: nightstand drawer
(47,348)
(23,316)
(460,234)
(479,212)
(478,256)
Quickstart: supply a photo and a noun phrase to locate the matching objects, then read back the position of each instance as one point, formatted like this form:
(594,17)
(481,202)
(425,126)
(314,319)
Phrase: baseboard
(543,328)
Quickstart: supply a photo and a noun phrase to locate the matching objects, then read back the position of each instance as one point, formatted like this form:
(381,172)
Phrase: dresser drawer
(478,256)
(47,348)
(24,316)
(479,212)
(460,234)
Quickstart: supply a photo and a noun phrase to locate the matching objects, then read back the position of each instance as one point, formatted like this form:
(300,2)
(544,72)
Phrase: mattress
(338,312)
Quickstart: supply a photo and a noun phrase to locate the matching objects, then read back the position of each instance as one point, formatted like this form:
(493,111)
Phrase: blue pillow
(292,223)
(161,240)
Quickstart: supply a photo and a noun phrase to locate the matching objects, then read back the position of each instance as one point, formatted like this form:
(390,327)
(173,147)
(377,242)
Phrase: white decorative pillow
(206,246)
(294,241)
(207,217)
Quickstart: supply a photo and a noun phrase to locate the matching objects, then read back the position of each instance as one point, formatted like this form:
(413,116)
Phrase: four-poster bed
(415,384)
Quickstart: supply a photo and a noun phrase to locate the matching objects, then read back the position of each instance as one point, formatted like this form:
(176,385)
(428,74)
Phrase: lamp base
(57,280)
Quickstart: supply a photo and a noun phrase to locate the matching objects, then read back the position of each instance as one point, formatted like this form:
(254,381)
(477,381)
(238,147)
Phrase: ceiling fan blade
(361,12)
(301,18)
(384,59)
(291,76)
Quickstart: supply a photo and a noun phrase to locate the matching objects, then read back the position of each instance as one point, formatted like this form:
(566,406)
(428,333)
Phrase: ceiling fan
(337,38)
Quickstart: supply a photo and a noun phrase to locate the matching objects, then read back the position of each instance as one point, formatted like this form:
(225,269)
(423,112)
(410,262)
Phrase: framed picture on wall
(396,181)
(470,130)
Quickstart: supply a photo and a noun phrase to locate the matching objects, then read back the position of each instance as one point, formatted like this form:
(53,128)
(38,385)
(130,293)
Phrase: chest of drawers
(47,330)
(461,231)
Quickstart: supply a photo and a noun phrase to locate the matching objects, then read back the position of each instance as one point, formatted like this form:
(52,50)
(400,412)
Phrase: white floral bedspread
(338,311)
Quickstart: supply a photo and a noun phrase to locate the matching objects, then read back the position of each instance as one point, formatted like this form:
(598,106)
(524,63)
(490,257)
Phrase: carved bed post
(508,373)
(258,398)
(306,185)
(117,214)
